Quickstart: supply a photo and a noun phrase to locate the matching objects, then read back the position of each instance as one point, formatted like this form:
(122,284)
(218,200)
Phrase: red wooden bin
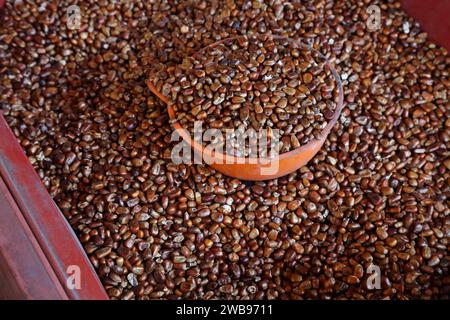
(40,255)
(38,248)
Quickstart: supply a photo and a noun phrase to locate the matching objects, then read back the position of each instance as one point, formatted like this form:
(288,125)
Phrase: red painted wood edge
(24,269)
(48,225)
(433,16)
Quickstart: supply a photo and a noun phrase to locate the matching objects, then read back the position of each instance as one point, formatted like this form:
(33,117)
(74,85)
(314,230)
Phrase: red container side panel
(433,16)
(48,225)
(24,269)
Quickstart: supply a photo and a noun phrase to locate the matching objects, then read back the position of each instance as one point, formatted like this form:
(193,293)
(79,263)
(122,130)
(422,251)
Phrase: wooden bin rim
(49,229)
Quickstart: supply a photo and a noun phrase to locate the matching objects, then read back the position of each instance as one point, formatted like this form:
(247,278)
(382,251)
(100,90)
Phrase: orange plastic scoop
(259,168)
